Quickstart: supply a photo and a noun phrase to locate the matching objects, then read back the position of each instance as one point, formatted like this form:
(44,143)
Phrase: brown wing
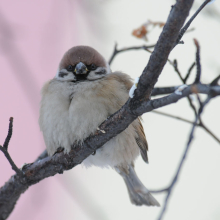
(141,140)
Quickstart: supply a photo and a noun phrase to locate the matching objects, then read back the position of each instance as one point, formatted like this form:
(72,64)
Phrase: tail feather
(138,193)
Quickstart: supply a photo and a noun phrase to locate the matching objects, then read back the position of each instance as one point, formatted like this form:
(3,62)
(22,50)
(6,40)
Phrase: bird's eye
(70,68)
(92,67)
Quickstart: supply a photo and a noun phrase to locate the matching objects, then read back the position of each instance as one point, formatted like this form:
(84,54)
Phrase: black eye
(92,67)
(70,68)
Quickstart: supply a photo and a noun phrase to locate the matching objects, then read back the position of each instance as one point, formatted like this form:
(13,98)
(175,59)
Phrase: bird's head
(82,63)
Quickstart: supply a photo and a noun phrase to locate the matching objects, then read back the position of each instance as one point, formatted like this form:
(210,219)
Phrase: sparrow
(83,94)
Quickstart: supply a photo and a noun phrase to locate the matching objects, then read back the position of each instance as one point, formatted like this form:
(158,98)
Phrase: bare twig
(197,80)
(200,124)
(170,188)
(116,51)
(4,149)
(189,72)
(198,64)
(215,81)
(174,117)
(175,65)
(192,105)
(160,190)
(8,138)
(183,30)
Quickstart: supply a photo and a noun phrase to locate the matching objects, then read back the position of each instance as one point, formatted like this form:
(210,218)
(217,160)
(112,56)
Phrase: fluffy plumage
(73,107)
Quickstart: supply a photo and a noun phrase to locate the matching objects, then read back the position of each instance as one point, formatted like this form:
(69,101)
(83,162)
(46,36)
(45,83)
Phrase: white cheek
(98,73)
(92,75)
(108,67)
(57,74)
(69,77)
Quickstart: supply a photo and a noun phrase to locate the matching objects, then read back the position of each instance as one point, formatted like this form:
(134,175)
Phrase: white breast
(71,112)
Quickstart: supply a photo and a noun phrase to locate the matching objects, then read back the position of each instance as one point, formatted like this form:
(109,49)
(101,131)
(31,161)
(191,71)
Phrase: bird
(83,94)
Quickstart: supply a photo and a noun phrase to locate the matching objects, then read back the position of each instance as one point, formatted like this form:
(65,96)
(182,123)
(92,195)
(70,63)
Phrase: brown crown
(84,54)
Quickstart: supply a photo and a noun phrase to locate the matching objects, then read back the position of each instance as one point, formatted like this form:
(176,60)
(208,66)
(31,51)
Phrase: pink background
(31,45)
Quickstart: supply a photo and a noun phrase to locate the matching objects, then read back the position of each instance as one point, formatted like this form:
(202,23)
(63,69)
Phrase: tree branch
(164,90)
(49,166)
(162,50)
(4,148)
(184,29)
(116,123)
(116,51)
(197,80)
(170,188)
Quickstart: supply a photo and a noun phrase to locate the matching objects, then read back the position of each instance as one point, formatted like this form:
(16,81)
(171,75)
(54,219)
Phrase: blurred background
(34,36)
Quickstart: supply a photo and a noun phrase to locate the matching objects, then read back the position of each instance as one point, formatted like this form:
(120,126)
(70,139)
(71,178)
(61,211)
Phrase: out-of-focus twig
(191,136)
(199,124)
(116,51)
(16,60)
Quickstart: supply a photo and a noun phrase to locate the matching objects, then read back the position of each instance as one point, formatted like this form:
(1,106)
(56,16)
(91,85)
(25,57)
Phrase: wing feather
(141,138)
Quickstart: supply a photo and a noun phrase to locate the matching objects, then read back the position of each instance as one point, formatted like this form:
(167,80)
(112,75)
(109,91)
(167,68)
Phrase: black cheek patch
(102,72)
(62,74)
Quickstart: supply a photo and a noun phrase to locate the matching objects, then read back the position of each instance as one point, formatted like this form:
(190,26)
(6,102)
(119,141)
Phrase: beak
(81,68)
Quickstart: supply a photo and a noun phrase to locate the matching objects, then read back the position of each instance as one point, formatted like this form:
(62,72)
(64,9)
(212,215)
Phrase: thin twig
(192,105)
(183,159)
(160,190)
(183,30)
(5,145)
(200,124)
(215,81)
(175,65)
(160,91)
(174,117)
(4,148)
(189,72)
(116,51)
(197,80)
(198,64)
